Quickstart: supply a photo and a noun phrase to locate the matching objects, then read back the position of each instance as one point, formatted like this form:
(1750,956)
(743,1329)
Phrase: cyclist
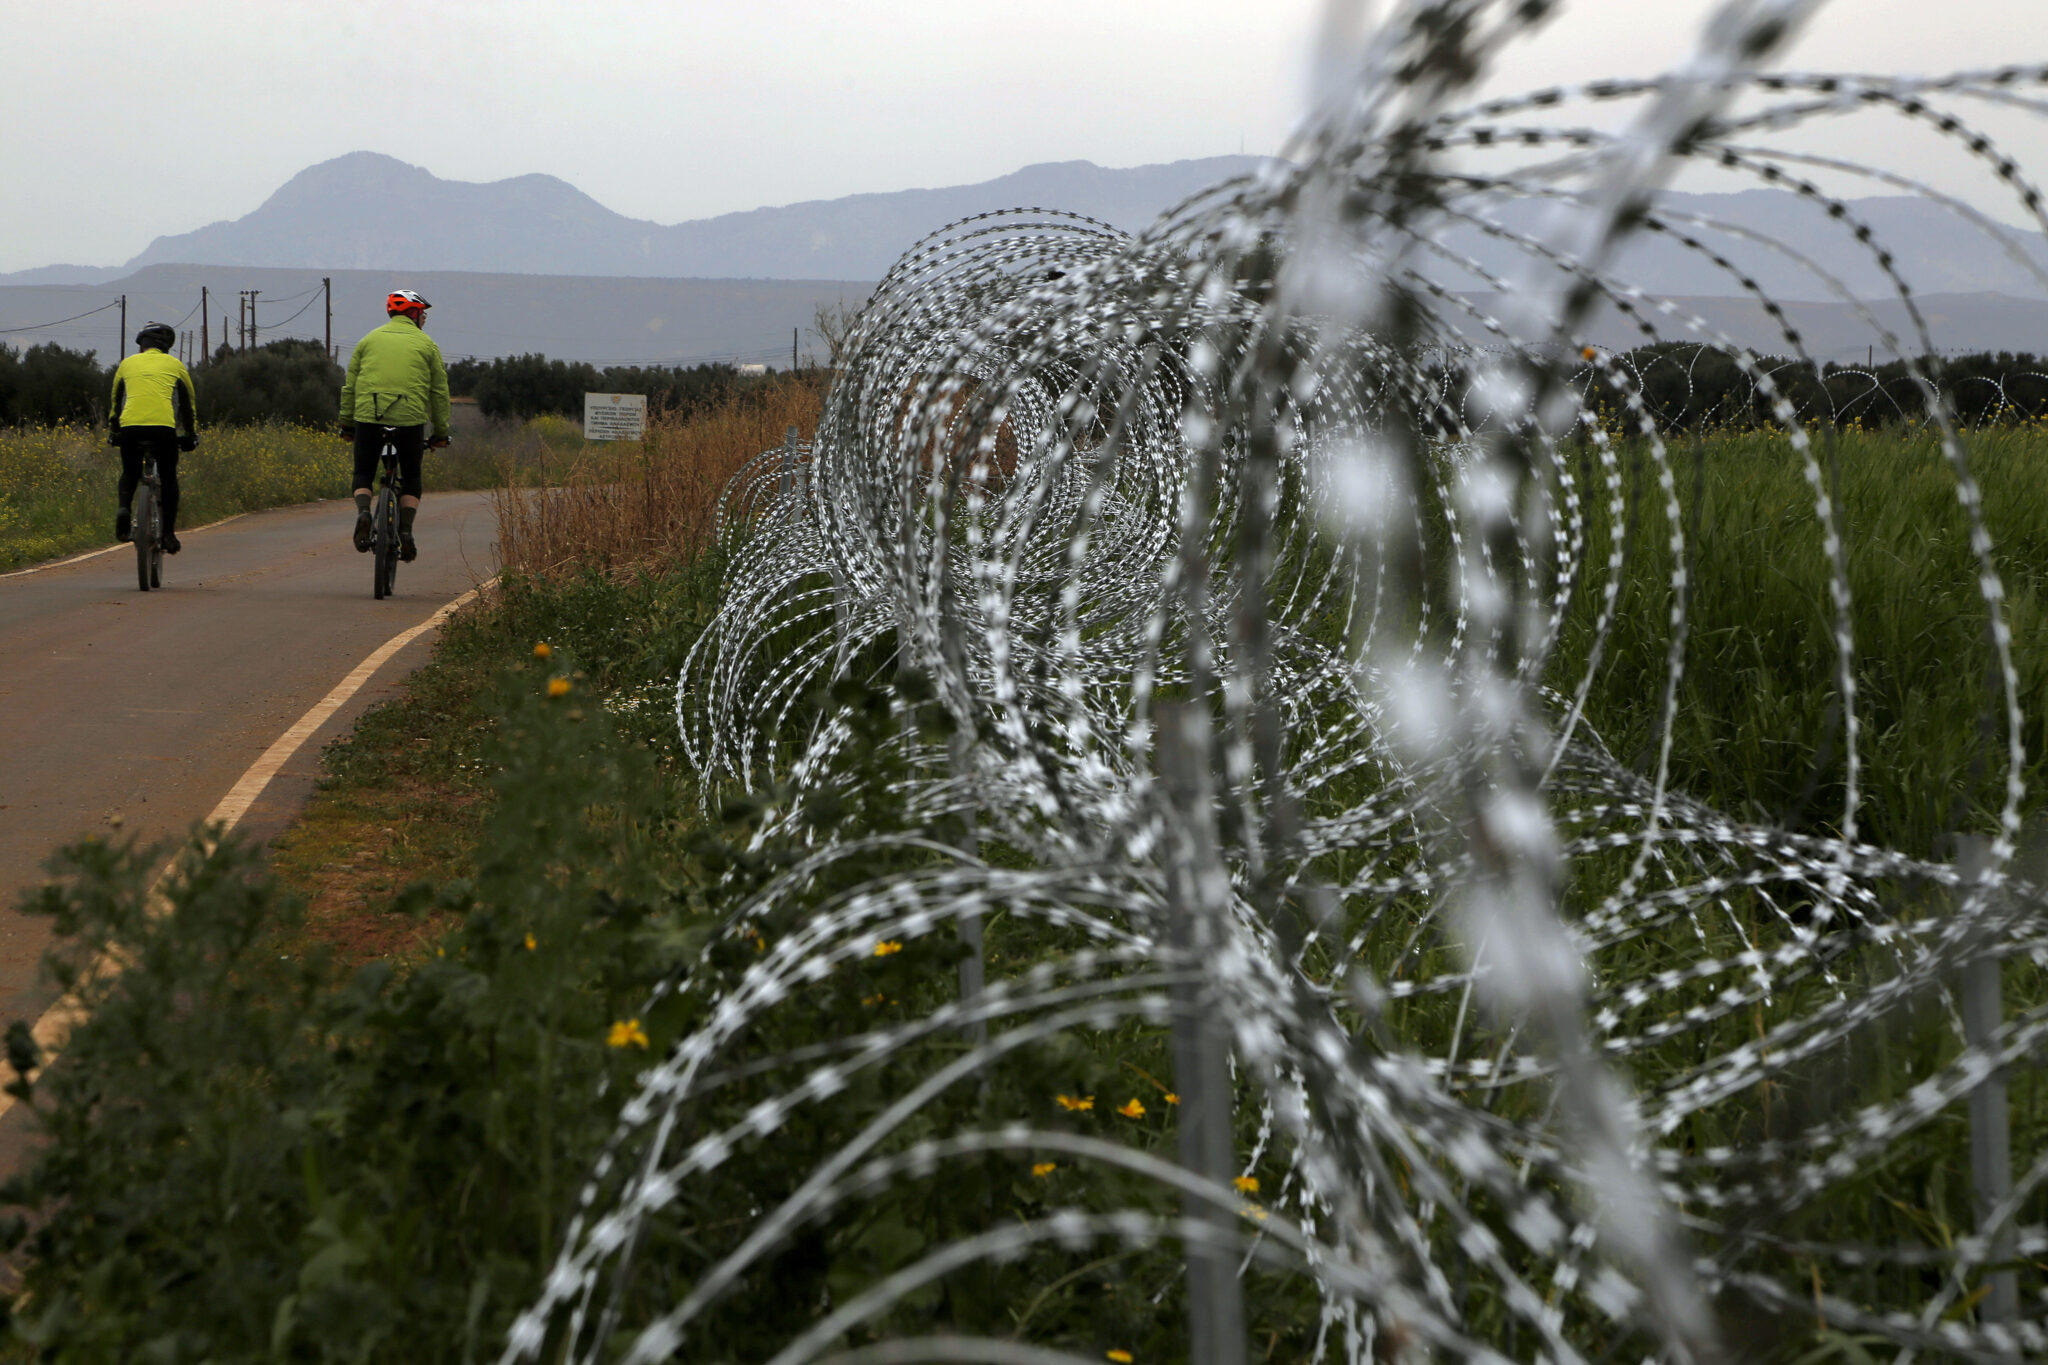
(155,411)
(395,379)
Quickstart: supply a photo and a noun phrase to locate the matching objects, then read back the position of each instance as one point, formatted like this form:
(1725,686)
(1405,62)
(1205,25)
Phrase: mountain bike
(384,521)
(148,527)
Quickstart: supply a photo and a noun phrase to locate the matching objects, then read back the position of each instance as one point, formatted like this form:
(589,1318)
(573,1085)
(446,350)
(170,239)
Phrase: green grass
(388,1154)
(58,484)
(1758,732)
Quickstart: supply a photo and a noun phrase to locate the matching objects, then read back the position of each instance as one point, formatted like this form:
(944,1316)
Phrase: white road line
(117,545)
(53,1029)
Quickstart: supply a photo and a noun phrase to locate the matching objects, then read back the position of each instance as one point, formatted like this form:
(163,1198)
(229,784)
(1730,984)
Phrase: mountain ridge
(366,210)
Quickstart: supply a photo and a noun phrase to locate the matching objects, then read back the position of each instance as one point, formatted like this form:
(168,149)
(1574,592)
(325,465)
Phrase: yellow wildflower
(887,946)
(873,1000)
(530,943)
(1134,1110)
(1246,1184)
(1172,1098)
(558,687)
(1045,1168)
(541,651)
(1072,1105)
(1255,1213)
(626,1033)
(1120,1357)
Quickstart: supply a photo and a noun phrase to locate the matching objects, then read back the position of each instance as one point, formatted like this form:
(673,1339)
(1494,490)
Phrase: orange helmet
(405,301)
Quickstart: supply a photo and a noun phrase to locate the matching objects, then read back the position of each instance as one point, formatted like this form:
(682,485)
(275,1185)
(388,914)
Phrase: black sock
(405,516)
(362,502)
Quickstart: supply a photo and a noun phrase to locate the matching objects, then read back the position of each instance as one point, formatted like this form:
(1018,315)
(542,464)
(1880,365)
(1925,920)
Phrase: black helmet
(160,335)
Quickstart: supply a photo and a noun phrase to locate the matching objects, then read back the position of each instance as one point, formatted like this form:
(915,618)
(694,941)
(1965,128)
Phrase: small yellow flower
(541,651)
(1120,1357)
(1045,1168)
(1134,1110)
(1255,1213)
(1587,353)
(1072,1105)
(1172,1098)
(1246,1184)
(887,946)
(558,687)
(531,944)
(626,1033)
(873,1000)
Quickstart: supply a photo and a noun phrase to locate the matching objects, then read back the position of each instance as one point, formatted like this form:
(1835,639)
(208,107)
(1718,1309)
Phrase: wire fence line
(1099,500)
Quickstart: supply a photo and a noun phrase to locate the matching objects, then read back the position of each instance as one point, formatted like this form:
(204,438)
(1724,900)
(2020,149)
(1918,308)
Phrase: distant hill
(613,319)
(534,264)
(1935,250)
(365,211)
(604,319)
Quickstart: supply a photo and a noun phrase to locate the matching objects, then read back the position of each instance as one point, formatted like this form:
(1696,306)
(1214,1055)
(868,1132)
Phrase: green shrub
(384,1159)
(290,381)
(48,385)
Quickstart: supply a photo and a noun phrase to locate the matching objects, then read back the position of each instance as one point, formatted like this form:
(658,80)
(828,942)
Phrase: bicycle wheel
(143,534)
(156,544)
(380,544)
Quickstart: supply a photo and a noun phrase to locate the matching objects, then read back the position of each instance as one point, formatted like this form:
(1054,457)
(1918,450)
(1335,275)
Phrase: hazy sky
(125,120)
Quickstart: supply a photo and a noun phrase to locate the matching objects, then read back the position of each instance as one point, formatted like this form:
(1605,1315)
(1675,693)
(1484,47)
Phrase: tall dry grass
(619,507)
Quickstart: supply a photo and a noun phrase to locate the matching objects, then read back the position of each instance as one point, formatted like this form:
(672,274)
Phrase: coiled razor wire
(1254,490)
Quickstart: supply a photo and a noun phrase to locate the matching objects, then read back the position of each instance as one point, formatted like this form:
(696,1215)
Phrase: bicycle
(148,529)
(384,521)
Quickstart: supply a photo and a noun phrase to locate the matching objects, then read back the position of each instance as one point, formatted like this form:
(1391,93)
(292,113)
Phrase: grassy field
(57,484)
(389,1073)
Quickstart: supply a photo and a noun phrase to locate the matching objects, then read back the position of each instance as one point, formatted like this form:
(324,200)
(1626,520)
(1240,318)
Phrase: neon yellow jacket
(396,378)
(154,389)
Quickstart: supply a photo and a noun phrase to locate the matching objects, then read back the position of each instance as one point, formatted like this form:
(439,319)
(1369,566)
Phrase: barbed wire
(1240,586)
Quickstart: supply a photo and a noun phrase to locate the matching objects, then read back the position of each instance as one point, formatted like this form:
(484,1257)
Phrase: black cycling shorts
(412,444)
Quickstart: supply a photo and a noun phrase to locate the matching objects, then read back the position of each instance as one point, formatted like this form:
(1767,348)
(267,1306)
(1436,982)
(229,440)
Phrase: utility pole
(205,326)
(792,350)
(124,328)
(241,320)
(254,340)
(327,284)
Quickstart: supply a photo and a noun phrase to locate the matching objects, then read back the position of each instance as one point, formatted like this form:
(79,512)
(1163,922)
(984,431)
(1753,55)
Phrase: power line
(273,326)
(37,327)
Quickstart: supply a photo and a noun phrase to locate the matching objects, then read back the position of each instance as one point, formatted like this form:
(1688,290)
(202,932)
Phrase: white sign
(614,416)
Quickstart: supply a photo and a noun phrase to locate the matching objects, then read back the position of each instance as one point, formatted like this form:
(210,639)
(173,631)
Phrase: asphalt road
(150,705)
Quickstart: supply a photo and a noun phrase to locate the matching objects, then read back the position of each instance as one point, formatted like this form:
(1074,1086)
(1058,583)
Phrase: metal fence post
(1195,879)
(788,481)
(1983,1009)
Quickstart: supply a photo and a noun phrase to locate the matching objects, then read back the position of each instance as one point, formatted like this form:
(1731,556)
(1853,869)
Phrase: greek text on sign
(614,416)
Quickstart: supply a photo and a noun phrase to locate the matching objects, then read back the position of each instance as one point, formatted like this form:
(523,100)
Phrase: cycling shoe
(364,531)
(171,545)
(122,526)
(407,551)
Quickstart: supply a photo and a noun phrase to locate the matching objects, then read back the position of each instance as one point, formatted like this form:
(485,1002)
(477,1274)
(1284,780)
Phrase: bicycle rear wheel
(156,544)
(384,544)
(380,531)
(143,534)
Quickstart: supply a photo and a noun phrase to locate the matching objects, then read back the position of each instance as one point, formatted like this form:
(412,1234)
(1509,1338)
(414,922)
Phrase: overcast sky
(126,120)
